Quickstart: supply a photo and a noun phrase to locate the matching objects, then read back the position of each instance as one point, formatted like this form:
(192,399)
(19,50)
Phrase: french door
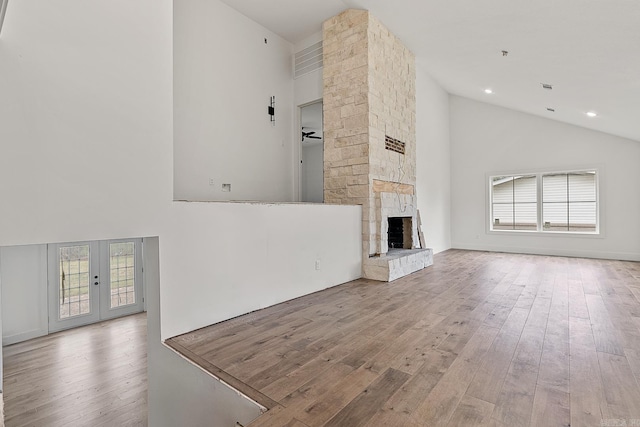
(94,281)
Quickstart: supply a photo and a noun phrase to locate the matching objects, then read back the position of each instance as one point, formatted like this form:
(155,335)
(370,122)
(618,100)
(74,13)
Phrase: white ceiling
(589,50)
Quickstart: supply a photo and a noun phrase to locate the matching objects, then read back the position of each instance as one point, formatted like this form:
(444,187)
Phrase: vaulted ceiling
(587,50)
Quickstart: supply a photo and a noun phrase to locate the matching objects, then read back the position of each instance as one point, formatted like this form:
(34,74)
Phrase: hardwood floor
(90,376)
(477,339)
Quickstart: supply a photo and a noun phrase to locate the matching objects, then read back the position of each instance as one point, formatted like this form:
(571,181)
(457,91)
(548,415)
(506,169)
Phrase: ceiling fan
(309,135)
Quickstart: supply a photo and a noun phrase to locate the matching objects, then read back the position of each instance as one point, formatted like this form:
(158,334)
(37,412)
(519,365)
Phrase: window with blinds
(569,202)
(545,202)
(515,203)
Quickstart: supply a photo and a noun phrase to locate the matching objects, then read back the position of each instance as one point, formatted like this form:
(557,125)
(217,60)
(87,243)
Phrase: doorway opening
(93,281)
(311,153)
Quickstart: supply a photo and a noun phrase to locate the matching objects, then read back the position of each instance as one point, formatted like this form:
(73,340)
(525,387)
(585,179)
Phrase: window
(515,203)
(569,202)
(545,202)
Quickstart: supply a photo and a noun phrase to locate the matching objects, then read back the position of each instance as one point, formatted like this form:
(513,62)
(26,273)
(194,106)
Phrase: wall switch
(211,181)
(317,264)
(226,188)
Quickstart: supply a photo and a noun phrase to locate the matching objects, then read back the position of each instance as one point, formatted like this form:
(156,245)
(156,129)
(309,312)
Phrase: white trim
(24,336)
(3,12)
(263,409)
(576,253)
(536,233)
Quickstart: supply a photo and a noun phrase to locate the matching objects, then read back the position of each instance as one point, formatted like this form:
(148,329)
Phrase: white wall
(23,279)
(487,140)
(433,161)
(86,119)
(224,76)
(227,259)
(308,87)
(312,172)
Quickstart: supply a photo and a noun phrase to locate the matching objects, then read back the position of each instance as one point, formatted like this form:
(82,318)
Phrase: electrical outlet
(317,264)
(211,181)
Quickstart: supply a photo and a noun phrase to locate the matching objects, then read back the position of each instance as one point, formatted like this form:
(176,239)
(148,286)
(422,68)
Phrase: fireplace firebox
(399,233)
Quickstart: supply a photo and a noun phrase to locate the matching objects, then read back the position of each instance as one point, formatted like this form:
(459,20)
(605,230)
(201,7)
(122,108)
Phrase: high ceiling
(588,50)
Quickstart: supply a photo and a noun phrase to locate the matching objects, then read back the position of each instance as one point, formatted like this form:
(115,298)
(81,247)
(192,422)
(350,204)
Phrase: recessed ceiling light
(488,91)
(591,114)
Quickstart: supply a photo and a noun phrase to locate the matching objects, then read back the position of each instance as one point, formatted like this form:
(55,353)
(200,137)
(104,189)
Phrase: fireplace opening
(399,233)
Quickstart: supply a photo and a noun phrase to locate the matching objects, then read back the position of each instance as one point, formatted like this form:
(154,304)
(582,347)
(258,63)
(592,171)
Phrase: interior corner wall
(23,280)
(226,68)
(252,256)
(488,140)
(433,161)
(180,394)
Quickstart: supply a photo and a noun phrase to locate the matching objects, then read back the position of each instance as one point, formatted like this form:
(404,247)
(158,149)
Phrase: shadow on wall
(3,12)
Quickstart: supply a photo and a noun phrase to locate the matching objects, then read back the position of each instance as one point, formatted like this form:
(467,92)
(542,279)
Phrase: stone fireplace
(369,138)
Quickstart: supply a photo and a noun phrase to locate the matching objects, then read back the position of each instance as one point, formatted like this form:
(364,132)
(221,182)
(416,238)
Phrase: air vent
(308,60)
(393,144)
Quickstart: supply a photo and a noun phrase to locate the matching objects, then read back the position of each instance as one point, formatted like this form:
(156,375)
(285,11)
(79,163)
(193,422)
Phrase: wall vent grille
(308,60)
(393,144)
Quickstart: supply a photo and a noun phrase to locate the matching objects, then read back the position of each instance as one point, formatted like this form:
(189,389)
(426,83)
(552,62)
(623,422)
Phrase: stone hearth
(397,263)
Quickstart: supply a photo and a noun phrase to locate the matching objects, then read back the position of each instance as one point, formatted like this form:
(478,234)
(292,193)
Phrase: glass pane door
(75,281)
(73,285)
(94,281)
(122,274)
(123,264)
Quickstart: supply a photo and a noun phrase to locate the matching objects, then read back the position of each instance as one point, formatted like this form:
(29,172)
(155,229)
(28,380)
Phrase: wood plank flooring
(90,376)
(477,339)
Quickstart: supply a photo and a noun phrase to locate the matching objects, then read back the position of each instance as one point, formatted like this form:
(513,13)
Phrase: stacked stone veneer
(369,93)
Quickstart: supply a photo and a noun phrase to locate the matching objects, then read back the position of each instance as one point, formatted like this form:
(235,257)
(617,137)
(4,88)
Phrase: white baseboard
(23,336)
(575,253)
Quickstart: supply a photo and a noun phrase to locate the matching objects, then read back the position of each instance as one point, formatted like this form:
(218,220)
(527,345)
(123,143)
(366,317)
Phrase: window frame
(539,231)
